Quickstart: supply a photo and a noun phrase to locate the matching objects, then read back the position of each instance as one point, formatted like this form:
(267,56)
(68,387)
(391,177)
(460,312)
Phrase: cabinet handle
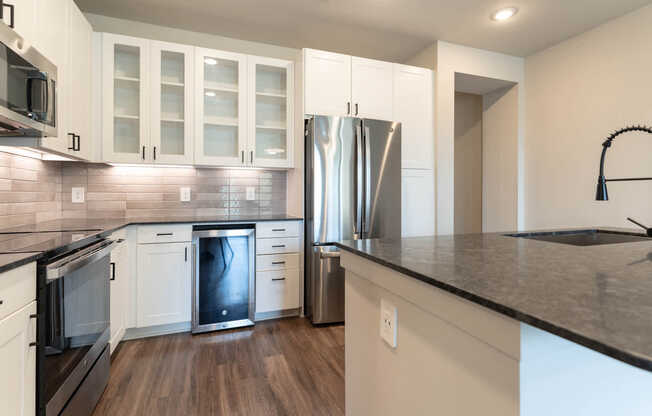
(11,13)
(143,152)
(112,270)
(348,107)
(154,152)
(278,262)
(33,316)
(278,229)
(33,344)
(73,141)
(185,254)
(164,234)
(279,246)
(78,147)
(242,156)
(278,279)
(1,301)
(356,109)
(252,157)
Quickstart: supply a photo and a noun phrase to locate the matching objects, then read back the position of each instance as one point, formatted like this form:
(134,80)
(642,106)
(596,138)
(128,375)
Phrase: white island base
(455,357)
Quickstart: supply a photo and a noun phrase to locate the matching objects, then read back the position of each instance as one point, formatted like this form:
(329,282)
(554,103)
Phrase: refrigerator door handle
(359,182)
(366,223)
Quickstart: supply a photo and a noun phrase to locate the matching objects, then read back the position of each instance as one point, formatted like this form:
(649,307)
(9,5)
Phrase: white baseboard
(154,331)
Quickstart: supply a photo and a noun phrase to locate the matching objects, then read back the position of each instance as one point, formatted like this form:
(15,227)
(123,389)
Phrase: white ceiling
(384,29)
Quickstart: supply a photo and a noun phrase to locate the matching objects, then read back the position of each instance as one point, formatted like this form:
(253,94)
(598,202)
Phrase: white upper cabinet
(271,97)
(220,108)
(24,15)
(327,83)
(171,103)
(78,95)
(125,121)
(413,108)
(371,89)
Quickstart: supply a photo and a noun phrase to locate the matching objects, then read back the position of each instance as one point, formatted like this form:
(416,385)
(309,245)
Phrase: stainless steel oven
(74,329)
(28,89)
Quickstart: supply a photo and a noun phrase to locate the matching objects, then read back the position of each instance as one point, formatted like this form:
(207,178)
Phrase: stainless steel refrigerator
(353,191)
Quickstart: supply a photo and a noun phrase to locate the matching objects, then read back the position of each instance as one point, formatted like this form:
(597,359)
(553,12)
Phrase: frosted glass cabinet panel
(171,103)
(220,108)
(124,106)
(271,99)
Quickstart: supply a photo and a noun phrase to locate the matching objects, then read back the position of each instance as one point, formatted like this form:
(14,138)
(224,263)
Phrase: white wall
(577,93)
(451,59)
(167,34)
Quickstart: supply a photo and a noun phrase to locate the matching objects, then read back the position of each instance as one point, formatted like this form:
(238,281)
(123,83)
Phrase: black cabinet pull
(242,156)
(348,107)
(278,262)
(33,316)
(154,152)
(78,146)
(278,229)
(278,279)
(279,246)
(185,254)
(252,157)
(33,344)
(1,301)
(164,234)
(143,152)
(112,270)
(356,109)
(11,13)
(73,141)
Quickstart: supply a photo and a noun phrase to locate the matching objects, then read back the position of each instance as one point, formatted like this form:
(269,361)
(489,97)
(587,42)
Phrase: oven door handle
(83,258)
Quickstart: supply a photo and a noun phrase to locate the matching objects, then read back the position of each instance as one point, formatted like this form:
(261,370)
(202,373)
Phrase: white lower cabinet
(18,362)
(277,290)
(119,290)
(164,278)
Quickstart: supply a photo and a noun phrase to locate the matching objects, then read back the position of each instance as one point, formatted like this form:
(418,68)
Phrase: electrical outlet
(77,195)
(184,194)
(388,323)
(251,193)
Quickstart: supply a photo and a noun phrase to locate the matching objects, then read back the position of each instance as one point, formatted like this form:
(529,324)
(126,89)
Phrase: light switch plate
(251,193)
(184,194)
(388,323)
(78,195)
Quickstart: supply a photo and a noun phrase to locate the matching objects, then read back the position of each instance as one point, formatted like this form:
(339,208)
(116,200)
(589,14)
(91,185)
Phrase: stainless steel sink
(584,237)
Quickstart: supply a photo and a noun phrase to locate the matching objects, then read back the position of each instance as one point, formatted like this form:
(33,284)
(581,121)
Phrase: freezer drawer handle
(278,262)
(278,279)
(279,246)
(329,254)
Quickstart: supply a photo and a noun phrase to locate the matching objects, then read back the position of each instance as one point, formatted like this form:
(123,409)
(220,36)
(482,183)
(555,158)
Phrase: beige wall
(144,30)
(452,59)
(427,58)
(468,163)
(499,160)
(577,93)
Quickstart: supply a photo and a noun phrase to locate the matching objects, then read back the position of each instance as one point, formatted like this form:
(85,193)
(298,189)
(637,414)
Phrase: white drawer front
(277,290)
(173,233)
(17,289)
(277,229)
(277,262)
(277,245)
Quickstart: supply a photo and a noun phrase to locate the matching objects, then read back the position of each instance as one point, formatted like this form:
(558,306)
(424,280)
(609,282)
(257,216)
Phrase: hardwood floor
(282,367)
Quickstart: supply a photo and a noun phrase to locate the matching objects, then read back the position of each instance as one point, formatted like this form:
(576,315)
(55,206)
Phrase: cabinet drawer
(17,288)
(173,233)
(277,229)
(277,245)
(277,262)
(277,290)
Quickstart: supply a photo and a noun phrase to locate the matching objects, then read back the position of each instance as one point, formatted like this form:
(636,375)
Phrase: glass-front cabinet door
(124,103)
(171,103)
(220,108)
(271,112)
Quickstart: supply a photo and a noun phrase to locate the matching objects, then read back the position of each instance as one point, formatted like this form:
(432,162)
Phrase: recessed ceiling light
(504,14)
(210,61)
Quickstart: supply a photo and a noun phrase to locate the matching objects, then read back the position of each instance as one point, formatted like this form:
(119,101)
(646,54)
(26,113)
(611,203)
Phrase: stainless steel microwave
(28,89)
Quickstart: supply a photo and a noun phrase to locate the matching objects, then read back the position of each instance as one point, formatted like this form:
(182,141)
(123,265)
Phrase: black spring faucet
(601,194)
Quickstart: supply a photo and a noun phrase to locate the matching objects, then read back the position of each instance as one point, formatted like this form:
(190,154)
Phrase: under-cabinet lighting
(210,61)
(145,165)
(504,14)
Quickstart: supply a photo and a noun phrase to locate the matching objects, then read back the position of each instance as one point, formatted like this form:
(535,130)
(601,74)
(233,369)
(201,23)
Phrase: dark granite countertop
(22,244)
(597,296)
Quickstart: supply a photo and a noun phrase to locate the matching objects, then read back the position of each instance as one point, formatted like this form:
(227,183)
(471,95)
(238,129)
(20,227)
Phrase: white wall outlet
(184,194)
(388,323)
(78,195)
(251,193)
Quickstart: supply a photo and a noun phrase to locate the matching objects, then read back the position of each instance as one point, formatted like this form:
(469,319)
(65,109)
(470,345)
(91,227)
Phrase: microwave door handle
(359,182)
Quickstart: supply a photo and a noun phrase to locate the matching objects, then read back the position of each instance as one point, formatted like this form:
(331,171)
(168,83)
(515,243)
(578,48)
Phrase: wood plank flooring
(282,367)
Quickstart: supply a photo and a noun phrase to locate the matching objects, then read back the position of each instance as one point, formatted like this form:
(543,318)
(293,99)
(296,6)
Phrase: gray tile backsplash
(32,191)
